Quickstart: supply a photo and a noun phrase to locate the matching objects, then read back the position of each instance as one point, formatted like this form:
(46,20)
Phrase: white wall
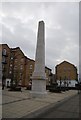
(71,83)
(8,82)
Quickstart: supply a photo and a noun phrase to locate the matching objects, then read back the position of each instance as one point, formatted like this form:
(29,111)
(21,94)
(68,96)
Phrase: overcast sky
(20,23)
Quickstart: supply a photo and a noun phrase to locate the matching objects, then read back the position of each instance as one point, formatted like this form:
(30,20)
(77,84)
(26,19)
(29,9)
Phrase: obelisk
(39,77)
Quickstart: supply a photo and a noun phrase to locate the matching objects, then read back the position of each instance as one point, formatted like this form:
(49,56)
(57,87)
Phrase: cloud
(20,23)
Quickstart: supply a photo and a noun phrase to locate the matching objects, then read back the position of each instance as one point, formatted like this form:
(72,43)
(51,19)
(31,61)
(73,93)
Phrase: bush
(15,88)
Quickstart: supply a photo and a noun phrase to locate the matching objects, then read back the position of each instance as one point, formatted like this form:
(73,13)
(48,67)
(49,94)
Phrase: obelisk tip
(41,21)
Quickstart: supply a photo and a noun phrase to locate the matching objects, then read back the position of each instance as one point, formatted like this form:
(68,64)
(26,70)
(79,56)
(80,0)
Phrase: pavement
(0,102)
(22,105)
(65,109)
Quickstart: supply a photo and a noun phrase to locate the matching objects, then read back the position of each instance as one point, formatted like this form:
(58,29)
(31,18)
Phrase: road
(66,109)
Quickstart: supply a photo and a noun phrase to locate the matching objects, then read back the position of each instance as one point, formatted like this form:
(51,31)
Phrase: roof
(48,68)
(30,59)
(14,49)
(66,62)
(5,45)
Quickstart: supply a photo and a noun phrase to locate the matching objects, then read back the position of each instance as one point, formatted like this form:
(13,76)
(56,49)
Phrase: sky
(19,22)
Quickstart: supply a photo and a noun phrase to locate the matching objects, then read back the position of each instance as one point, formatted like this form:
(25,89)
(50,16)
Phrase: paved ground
(0,102)
(66,109)
(20,104)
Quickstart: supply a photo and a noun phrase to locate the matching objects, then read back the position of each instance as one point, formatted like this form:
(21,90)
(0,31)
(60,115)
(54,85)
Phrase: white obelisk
(39,77)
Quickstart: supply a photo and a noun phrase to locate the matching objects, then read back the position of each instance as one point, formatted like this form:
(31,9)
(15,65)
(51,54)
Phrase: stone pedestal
(39,77)
(38,88)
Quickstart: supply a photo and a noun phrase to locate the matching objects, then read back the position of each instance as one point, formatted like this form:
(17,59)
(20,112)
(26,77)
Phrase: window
(15,67)
(10,72)
(15,60)
(30,74)
(4,51)
(31,66)
(21,67)
(14,75)
(20,77)
(22,60)
(3,59)
(69,82)
(11,58)
(49,72)
(10,65)
(3,67)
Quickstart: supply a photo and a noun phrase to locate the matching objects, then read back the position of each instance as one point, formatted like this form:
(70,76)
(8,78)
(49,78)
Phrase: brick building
(66,72)
(17,67)
(0,63)
(48,72)
(30,70)
(5,61)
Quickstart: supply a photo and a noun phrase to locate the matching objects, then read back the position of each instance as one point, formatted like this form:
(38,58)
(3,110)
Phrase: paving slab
(20,104)
(68,108)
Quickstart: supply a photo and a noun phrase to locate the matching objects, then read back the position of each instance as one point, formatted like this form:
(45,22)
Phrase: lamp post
(79,85)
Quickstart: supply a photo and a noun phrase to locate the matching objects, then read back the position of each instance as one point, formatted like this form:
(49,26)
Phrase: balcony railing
(4,54)
(4,62)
